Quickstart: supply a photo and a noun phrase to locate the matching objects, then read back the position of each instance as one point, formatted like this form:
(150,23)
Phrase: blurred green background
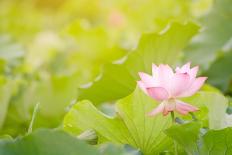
(50,48)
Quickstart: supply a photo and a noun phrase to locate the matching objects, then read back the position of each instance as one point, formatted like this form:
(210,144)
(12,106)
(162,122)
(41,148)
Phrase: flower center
(171,100)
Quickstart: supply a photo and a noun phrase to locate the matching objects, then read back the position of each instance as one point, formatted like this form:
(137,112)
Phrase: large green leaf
(217,142)
(132,111)
(216,34)
(164,47)
(131,126)
(220,72)
(186,135)
(116,81)
(46,142)
(195,142)
(212,107)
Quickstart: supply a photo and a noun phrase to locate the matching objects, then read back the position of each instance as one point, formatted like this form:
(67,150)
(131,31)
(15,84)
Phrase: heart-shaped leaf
(164,47)
(131,126)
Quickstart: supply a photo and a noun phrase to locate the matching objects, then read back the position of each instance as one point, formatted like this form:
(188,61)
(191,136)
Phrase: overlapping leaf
(153,48)
(46,142)
(116,81)
(186,135)
(132,125)
(217,142)
(135,128)
(196,142)
(210,103)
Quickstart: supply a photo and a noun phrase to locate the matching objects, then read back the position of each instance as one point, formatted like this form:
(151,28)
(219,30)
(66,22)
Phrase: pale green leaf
(164,47)
(46,142)
(131,126)
(115,81)
(212,107)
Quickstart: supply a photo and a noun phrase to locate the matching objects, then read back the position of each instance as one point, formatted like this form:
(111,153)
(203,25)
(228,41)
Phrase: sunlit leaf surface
(164,47)
(55,53)
(209,104)
(131,125)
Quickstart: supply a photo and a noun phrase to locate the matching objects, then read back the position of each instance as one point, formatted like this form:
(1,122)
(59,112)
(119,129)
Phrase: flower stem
(193,116)
(36,108)
(174,142)
(173,117)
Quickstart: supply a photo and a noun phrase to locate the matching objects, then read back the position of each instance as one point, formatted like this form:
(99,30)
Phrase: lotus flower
(168,87)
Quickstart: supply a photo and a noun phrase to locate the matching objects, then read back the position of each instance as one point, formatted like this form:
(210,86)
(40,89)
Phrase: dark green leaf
(46,142)
(220,72)
(217,142)
(186,135)
(216,34)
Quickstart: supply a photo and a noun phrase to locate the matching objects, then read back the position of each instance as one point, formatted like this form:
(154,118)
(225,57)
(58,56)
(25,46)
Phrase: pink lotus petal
(166,86)
(142,86)
(165,74)
(177,70)
(184,69)
(184,108)
(169,107)
(193,72)
(179,83)
(158,93)
(157,110)
(147,80)
(155,71)
(165,70)
(194,87)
